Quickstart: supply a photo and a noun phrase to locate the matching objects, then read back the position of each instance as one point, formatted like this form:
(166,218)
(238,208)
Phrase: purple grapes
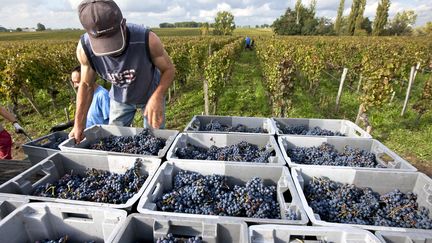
(215,126)
(143,143)
(326,154)
(169,238)
(96,186)
(348,204)
(194,193)
(242,151)
(305,130)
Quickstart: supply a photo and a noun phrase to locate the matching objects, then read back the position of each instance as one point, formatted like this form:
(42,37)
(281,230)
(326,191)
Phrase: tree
(301,21)
(224,23)
(359,19)
(367,25)
(381,18)
(338,22)
(204,28)
(18,29)
(324,27)
(355,8)
(40,27)
(166,25)
(402,23)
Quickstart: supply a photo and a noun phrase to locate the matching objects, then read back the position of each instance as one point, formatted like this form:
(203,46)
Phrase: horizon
(61,14)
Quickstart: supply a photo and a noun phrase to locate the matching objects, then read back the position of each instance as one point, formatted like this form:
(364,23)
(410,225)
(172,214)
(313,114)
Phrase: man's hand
(78,134)
(18,128)
(154,111)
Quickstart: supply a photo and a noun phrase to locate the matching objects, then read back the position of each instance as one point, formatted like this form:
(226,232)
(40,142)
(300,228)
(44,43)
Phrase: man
(129,56)
(5,138)
(248,42)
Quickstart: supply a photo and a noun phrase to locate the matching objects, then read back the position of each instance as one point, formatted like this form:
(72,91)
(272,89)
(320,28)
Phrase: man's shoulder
(101,91)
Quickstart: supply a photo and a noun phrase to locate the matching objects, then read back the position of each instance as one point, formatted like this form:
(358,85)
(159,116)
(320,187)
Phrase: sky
(59,14)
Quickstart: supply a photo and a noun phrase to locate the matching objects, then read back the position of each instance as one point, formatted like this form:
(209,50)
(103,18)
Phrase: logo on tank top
(122,78)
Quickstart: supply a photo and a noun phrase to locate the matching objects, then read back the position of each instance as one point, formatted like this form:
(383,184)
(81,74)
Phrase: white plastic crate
(9,203)
(40,221)
(383,155)
(35,149)
(95,133)
(398,237)
(206,140)
(379,181)
(56,166)
(345,127)
(296,234)
(198,123)
(148,228)
(236,174)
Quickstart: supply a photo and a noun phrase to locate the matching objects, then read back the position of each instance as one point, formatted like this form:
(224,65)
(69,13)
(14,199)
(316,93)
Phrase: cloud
(62,13)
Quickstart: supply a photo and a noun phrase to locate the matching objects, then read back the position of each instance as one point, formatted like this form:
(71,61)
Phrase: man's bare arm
(84,95)
(160,58)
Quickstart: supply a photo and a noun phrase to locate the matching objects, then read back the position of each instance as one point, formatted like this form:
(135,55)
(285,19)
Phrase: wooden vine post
(338,98)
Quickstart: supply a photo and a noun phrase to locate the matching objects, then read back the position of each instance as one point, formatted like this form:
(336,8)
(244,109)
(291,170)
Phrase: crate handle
(359,132)
(157,189)
(77,216)
(386,159)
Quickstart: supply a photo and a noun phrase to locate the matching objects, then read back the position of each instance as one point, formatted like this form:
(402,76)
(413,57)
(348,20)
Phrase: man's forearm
(166,80)
(84,99)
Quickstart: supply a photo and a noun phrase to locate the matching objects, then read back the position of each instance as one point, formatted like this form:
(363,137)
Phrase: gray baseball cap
(102,19)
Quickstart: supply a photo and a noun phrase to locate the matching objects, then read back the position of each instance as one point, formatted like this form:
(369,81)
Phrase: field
(245,93)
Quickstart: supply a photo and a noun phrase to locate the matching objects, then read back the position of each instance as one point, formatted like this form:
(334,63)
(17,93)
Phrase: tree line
(302,20)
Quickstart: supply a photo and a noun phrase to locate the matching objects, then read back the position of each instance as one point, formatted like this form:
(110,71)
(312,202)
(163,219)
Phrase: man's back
(99,108)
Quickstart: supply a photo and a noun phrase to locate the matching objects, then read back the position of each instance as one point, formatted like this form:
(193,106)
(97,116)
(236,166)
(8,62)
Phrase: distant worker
(98,112)
(129,56)
(5,137)
(248,41)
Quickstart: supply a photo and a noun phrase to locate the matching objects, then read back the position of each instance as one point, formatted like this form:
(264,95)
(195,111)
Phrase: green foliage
(40,27)
(224,23)
(424,104)
(338,22)
(218,67)
(381,17)
(205,29)
(402,23)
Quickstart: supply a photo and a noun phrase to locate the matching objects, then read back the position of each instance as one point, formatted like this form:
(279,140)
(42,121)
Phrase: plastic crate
(198,123)
(35,149)
(95,133)
(379,181)
(148,228)
(345,127)
(53,168)
(40,221)
(398,237)
(383,155)
(9,203)
(310,234)
(206,140)
(236,174)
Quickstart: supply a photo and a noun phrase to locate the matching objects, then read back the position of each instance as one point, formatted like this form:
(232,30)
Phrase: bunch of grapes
(194,193)
(62,239)
(142,143)
(242,151)
(346,203)
(326,154)
(96,186)
(215,126)
(169,238)
(304,130)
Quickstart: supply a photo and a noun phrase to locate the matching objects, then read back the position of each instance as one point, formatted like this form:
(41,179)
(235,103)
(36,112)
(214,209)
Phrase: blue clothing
(100,107)
(132,73)
(248,41)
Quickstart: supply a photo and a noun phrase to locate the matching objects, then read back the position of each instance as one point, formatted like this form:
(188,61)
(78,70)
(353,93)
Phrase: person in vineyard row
(5,137)
(129,56)
(100,106)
